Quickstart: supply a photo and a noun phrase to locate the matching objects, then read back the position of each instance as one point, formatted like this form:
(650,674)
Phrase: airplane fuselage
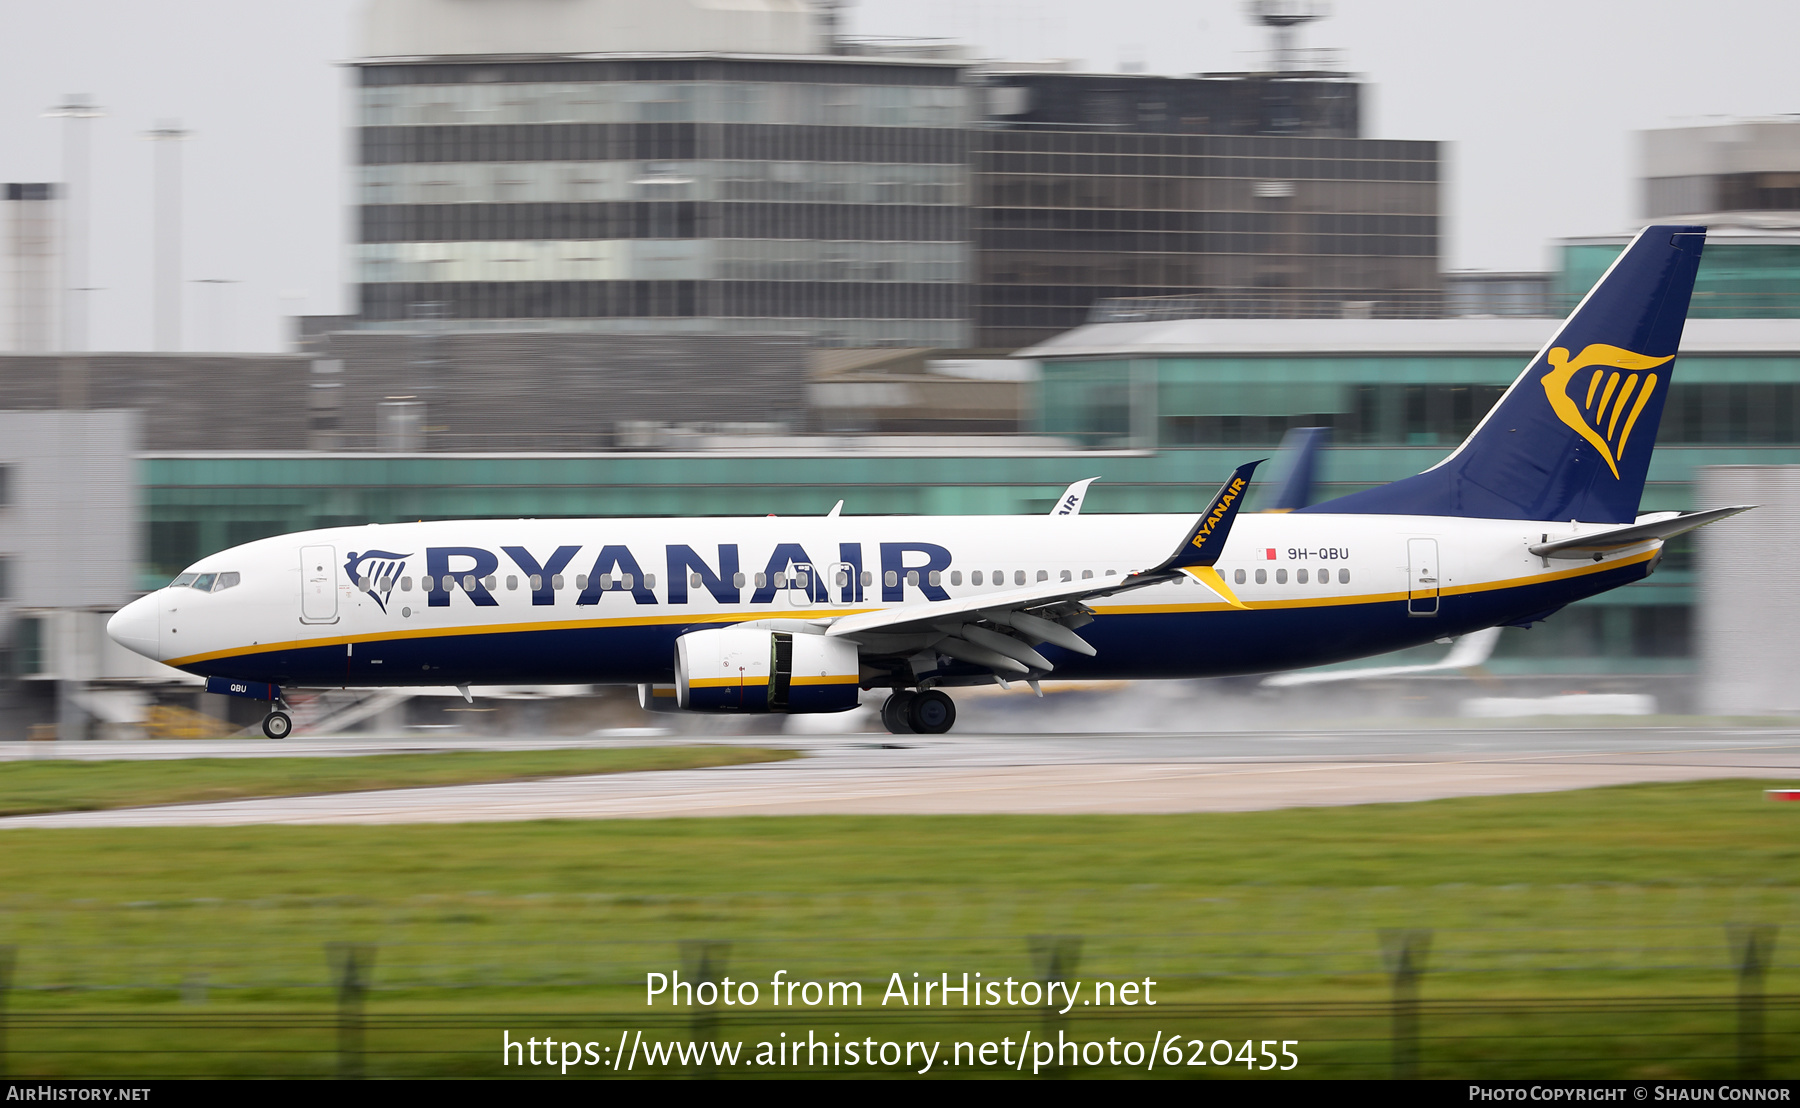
(603,600)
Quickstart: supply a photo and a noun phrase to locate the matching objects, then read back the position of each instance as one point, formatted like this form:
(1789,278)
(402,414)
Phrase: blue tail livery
(1571,439)
(1297,462)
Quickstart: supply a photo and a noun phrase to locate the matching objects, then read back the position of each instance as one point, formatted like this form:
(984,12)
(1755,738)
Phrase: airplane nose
(138,626)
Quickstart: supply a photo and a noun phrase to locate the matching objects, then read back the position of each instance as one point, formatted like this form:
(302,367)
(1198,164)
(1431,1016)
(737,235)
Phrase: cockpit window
(206,582)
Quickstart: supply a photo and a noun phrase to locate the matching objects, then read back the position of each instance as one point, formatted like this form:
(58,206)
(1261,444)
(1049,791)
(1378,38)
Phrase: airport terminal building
(692,169)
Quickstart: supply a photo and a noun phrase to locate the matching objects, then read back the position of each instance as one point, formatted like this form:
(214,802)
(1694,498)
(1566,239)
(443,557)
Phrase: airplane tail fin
(1296,467)
(1571,439)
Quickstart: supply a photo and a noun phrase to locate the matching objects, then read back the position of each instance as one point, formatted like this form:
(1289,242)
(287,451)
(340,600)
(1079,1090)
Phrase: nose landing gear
(278,724)
(931,712)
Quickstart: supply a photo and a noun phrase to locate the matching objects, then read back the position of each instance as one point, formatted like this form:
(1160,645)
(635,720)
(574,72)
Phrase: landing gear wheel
(278,725)
(895,715)
(931,713)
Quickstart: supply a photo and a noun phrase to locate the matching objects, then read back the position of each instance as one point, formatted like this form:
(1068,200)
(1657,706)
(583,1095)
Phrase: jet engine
(752,669)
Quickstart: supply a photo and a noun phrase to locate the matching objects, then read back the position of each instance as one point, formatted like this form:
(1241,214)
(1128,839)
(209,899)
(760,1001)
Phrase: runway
(1014,774)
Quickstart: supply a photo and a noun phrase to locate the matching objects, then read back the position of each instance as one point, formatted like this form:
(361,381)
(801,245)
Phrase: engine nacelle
(657,698)
(751,669)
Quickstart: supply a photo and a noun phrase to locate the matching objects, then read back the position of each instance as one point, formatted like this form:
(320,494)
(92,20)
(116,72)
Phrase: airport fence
(1646,982)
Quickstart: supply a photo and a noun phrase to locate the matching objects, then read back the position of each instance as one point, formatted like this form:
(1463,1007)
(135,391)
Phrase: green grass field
(1572,934)
(72,786)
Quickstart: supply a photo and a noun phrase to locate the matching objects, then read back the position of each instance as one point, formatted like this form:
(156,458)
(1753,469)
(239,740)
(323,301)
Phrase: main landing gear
(278,724)
(918,713)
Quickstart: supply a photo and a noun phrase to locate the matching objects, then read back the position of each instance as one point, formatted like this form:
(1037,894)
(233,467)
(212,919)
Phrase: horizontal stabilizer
(1469,652)
(1615,538)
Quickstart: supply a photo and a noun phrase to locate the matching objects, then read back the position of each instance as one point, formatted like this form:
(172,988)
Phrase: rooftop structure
(1744,173)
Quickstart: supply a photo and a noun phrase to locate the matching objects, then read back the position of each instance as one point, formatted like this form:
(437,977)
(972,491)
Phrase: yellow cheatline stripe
(817,613)
(1209,577)
(504,628)
(828,679)
(724,682)
(1377,598)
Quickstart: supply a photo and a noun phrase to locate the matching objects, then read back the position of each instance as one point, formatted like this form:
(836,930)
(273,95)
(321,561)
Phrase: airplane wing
(1069,503)
(997,631)
(1596,543)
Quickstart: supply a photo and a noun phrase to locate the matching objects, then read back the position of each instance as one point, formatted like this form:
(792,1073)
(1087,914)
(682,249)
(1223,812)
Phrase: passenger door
(318,584)
(1422,577)
(803,585)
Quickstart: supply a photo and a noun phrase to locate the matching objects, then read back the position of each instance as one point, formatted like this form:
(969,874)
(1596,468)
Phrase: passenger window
(491,583)
(868,578)
(468,582)
(693,580)
(556,582)
(1018,577)
(800,580)
(890,579)
(1300,577)
(737,580)
(999,577)
(537,582)
(975,578)
(1043,575)
(956,577)
(405,584)
(912,578)
(1087,575)
(1324,577)
(934,578)
(625,580)
(204,582)
(1238,577)
(512,582)
(649,580)
(581,581)
(226,581)
(1066,575)
(1112,573)
(1343,577)
(1281,577)
(762,580)
(1262,576)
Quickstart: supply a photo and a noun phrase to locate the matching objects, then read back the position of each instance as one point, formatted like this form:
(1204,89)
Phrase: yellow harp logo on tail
(1603,405)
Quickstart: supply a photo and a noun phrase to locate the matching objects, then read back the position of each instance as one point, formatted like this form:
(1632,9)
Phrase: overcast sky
(1536,99)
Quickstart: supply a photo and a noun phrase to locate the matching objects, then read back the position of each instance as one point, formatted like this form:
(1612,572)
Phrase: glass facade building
(1249,193)
(826,196)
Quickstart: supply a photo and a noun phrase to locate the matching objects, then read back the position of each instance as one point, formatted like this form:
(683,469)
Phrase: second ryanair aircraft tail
(1571,439)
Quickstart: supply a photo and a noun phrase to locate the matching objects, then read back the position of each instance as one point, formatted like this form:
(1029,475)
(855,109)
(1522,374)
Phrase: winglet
(1206,541)
(1069,504)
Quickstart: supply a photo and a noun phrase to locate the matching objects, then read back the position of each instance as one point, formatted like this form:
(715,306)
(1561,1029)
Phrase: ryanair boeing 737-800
(1536,509)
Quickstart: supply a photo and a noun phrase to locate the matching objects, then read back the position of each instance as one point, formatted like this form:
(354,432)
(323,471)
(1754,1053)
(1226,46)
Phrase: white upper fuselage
(289,621)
